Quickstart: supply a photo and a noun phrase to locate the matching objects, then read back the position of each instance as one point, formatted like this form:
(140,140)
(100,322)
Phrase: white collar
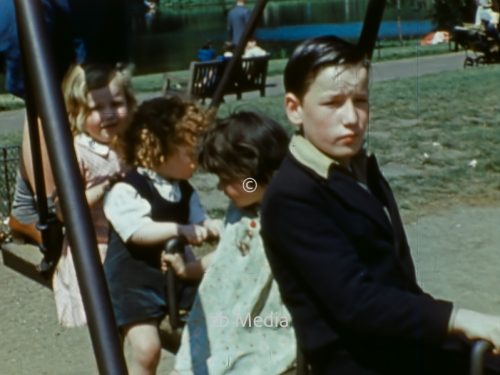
(169,190)
(308,155)
(85,140)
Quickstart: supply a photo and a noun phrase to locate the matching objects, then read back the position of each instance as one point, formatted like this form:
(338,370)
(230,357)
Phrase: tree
(448,13)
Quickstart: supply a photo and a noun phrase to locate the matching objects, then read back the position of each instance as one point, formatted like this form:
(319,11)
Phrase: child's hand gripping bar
(172,246)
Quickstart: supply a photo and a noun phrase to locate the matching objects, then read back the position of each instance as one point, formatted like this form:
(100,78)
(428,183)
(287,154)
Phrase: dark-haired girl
(238,323)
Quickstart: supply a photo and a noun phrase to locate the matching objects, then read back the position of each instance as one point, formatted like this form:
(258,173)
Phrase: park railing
(9,161)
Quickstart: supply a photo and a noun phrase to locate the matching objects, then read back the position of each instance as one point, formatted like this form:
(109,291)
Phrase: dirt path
(32,342)
(457,254)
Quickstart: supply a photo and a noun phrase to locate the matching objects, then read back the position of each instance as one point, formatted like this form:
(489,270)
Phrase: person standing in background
(237,19)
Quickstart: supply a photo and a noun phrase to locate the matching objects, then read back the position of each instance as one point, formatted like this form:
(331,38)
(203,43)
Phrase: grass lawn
(12,138)
(390,50)
(9,102)
(436,138)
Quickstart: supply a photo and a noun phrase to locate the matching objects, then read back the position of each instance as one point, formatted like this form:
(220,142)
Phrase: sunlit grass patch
(436,137)
(9,102)
(11,139)
(446,126)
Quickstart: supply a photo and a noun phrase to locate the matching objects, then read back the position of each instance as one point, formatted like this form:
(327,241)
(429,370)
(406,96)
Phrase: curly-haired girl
(152,204)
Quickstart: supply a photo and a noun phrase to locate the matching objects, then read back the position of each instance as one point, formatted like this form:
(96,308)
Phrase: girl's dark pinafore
(136,284)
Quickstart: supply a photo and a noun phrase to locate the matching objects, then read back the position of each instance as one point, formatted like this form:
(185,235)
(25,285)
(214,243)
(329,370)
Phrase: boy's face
(333,113)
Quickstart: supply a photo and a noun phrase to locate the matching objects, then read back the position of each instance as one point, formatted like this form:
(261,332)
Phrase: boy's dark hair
(312,55)
(245,144)
(159,126)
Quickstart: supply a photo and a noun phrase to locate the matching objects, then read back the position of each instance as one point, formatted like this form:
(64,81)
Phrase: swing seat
(24,259)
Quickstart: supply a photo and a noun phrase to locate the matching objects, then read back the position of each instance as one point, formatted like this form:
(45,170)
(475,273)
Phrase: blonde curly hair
(159,126)
(81,79)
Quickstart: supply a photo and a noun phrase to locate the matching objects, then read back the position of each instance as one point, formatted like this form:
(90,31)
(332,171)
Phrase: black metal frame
(230,69)
(367,41)
(45,99)
(172,246)
(48,224)
(371,25)
(477,355)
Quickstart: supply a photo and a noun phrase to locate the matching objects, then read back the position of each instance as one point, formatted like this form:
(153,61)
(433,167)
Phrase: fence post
(6,176)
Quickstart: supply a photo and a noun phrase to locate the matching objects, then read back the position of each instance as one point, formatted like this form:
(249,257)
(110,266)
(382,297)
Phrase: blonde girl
(99,102)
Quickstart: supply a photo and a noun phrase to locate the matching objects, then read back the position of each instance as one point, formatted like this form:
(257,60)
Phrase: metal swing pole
(236,59)
(367,41)
(371,26)
(50,106)
(47,221)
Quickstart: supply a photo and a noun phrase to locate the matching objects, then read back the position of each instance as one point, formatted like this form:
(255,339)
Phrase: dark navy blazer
(340,256)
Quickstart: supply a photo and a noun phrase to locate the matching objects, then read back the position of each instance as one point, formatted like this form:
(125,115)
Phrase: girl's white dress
(238,323)
(97,162)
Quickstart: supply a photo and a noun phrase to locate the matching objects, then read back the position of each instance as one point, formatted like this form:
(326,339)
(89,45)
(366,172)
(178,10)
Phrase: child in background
(238,324)
(152,204)
(99,102)
(252,49)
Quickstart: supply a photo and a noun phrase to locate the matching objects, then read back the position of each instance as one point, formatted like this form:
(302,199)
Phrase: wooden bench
(205,76)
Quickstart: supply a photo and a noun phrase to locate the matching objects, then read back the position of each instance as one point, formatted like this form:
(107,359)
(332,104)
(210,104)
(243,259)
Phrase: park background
(436,137)
(169,38)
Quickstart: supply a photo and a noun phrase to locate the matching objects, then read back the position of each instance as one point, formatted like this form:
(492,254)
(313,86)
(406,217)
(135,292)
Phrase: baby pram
(480,47)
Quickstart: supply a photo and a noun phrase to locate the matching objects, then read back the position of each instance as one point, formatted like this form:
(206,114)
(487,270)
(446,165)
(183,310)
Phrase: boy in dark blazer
(336,243)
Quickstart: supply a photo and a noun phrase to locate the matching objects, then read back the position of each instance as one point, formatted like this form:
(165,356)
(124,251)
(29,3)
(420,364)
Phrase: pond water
(169,40)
